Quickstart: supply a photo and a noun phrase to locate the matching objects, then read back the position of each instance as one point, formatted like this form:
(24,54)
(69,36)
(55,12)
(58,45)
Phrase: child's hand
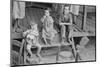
(23,34)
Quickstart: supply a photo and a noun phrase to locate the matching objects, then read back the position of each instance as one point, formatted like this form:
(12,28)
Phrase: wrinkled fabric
(18,9)
(48,30)
(32,34)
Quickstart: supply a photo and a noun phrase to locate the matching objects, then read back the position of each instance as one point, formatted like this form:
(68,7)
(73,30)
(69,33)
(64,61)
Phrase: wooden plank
(21,49)
(77,28)
(25,54)
(84,17)
(37,5)
(16,35)
(54,45)
(81,34)
(65,24)
(50,45)
(14,54)
(73,46)
(17,43)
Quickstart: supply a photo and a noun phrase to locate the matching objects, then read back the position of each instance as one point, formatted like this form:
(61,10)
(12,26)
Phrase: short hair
(47,9)
(32,23)
(67,5)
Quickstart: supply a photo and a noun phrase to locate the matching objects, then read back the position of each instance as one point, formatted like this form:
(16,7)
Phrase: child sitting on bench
(32,39)
(48,31)
(66,24)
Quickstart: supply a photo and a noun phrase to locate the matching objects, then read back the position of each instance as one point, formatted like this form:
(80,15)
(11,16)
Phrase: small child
(48,31)
(32,39)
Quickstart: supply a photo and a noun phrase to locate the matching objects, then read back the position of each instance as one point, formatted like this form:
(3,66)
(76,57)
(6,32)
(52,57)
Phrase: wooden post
(58,53)
(73,47)
(84,18)
(21,50)
(24,52)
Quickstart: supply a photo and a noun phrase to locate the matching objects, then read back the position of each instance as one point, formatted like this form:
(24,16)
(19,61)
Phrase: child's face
(47,13)
(66,10)
(32,26)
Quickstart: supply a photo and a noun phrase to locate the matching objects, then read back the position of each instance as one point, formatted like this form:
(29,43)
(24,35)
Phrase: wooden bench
(45,46)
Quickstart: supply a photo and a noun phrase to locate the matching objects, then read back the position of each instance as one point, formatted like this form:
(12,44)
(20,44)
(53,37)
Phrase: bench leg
(58,52)
(73,47)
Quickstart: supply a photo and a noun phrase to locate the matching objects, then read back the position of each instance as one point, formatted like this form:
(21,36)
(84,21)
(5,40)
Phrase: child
(48,31)
(32,39)
(67,19)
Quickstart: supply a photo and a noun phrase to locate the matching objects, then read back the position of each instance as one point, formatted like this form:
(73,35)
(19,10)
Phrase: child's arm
(71,19)
(42,19)
(51,19)
(26,32)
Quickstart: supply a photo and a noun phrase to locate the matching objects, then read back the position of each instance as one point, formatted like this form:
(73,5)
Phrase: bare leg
(38,53)
(63,32)
(44,36)
(52,37)
(29,50)
(45,41)
(15,25)
(52,41)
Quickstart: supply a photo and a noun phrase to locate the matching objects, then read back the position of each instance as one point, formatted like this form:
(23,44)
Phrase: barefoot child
(66,22)
(48,31)
(32,39)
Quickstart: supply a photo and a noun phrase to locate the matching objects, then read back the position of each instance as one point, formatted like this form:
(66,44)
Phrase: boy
(32,39)
(66,22)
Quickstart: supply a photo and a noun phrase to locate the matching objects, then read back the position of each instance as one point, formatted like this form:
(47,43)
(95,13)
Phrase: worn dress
(48,29)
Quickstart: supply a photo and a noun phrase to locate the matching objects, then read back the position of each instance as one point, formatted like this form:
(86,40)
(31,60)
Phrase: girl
(48,31)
